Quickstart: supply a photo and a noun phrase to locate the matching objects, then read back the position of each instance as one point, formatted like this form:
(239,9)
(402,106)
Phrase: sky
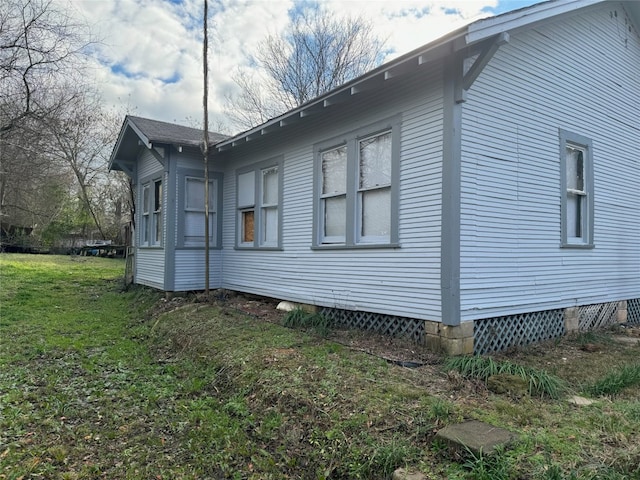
(148,58)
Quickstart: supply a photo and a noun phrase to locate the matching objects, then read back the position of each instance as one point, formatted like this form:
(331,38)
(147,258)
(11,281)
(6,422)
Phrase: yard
(99,382)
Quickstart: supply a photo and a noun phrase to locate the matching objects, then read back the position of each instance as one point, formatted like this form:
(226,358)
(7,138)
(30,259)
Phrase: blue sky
(508,5)
(149,59)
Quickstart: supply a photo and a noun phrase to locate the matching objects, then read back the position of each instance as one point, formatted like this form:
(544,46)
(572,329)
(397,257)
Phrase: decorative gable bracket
(487,51)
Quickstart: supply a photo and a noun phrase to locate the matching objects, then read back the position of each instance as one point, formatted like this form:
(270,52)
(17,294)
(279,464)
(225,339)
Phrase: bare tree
(81,135)
(39,43)
(318,52)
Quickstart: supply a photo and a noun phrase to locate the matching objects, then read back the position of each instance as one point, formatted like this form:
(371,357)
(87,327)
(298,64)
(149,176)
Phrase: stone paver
(402,474)
(580,401)
(476,436)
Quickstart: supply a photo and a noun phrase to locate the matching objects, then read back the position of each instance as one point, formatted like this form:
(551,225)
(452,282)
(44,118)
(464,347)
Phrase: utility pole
(205,146)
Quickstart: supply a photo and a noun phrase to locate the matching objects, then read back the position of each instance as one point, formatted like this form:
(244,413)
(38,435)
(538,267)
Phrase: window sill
(578,246)
(359,246)
(268,249)
(150,247)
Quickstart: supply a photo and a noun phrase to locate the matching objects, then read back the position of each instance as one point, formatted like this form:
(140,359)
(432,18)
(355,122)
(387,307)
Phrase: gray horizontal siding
(581,75)
(189,270)
(148,165)
(150,267)
(150,262)
(403,281)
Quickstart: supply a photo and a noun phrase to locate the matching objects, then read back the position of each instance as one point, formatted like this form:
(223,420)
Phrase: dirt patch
(398,350)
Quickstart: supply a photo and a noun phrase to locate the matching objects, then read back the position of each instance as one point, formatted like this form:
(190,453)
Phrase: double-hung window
(259,194)
(334,194)
(577,190)
(194,212)
(356,188)
(152,213)
(374,188)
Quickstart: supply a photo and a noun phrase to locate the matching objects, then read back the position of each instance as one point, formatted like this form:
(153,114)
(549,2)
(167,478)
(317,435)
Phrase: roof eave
(114,160)
(489,27)
(422,55)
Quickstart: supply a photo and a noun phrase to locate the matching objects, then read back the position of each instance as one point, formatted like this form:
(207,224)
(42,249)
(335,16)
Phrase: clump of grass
(301,318)
(616,381)
(488,467)
(540,381)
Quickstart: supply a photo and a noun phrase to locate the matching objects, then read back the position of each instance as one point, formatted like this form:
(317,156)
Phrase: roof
(137,130)
(155,131)
(490,29)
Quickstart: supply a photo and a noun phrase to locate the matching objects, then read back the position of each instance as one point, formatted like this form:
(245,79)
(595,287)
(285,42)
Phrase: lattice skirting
(591,317)
(377,322)
(633,311)
(500,333)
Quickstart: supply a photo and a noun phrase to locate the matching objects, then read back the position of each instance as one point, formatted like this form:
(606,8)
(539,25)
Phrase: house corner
(449,339)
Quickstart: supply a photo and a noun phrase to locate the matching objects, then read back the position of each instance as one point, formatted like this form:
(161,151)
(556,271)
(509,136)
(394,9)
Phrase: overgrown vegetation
(616,381)
(301,318)
(100,383)
(540,382)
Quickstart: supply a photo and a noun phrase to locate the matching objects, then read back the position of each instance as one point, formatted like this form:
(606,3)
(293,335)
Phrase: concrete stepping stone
(478,437)
(403,474)
(580,401)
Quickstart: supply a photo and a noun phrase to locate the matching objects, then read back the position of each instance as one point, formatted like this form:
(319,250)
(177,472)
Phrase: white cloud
(151,50)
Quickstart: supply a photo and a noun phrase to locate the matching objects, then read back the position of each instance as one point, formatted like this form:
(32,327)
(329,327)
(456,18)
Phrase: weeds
(301,318)
(488,467)
(481,368)
(616,381)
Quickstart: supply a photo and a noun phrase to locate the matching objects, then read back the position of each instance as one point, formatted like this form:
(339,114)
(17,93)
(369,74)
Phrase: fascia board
(483,29)
(116,147)
(139,133)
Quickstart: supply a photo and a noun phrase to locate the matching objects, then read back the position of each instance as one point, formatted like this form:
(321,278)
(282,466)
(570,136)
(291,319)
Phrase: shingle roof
(164,132)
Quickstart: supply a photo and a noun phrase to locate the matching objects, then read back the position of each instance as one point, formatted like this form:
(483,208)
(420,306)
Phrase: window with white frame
(194,229)
(152,213)
(269,206)
(334,194)
(577,186)
(374,188)
(258,206)
(146,216)
(356,202)
(157,213)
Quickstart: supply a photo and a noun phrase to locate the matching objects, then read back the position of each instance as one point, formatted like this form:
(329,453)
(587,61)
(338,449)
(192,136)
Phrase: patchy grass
(96,382)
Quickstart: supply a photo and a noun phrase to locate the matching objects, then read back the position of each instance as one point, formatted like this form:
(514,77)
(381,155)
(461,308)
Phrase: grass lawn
(97,382)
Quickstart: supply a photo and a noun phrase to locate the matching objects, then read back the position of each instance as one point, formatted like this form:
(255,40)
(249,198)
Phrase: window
(258,204)
(334,194)
(194,212)
(157,213)
(374,188)
(146,219)
(577,190)
(152,213)
(356,201)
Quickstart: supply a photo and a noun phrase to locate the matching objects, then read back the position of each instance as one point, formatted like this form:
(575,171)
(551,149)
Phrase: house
(476,193)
